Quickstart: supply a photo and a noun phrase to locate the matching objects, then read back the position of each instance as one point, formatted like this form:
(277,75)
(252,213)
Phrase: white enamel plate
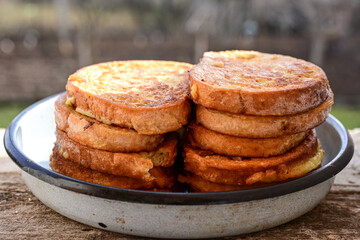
(29,140)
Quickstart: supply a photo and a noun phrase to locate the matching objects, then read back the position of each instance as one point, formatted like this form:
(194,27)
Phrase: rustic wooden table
(25,217)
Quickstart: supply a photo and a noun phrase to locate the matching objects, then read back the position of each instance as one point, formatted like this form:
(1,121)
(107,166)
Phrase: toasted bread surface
(251,126)
(95,134)
(149,96)
(198,184)
(254,83)
(135,165)
(246,171)
(246,147)
(162,178)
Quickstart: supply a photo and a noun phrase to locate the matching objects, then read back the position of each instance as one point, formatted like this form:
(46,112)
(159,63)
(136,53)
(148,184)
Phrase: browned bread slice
(135,165)
(148,96)
(246,171)
(198,184)
(262,126)
(246,147)
(162,178)
(95,134)
(254,83)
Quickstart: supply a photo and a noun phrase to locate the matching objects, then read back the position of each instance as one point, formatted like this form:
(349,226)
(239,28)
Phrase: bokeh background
(42,42)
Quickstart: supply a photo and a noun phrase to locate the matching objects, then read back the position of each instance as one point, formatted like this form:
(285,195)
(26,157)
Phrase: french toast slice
(254,83)
(198,184)
(298,161)
(219,143)
(94,134)
(161,178)
(148,96)
(251,126)
(135,165)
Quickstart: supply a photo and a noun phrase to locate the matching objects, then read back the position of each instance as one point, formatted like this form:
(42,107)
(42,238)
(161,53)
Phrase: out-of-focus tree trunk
(87,35)
(202,23)
(201,44)
(84,51)
(316,14)
(64,41)
(318,47)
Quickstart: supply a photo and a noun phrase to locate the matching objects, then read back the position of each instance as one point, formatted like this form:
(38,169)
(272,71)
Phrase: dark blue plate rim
(179,198)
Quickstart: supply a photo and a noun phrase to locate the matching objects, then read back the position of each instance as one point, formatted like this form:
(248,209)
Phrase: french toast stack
(117,122)
(255,120)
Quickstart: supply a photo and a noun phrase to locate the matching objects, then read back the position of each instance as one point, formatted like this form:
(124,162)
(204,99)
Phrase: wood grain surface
(25,217)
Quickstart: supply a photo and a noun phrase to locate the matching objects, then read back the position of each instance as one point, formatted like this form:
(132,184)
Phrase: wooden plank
(351,174)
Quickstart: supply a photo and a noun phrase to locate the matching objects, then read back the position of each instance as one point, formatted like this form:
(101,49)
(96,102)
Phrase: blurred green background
(43,42)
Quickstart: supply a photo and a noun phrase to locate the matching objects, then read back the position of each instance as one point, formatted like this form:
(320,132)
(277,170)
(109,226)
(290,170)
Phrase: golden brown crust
(135,165)
(198,184)
(149,96)
(162,178)
(246,171)
(262,126)
(95,134)
(254,83)
(246,147)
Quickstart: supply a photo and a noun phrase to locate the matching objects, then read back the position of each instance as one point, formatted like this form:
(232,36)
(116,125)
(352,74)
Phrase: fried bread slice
(95,134)
(135,165)
(219,143)
(254,83)
(246,171)
(198,184)
(162,178)
(148,96)
(251,126)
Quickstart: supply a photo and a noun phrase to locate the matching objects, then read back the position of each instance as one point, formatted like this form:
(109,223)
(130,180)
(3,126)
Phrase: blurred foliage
(9,111)
(348,115)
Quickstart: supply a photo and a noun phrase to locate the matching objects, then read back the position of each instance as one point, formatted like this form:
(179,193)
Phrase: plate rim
(315,177)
